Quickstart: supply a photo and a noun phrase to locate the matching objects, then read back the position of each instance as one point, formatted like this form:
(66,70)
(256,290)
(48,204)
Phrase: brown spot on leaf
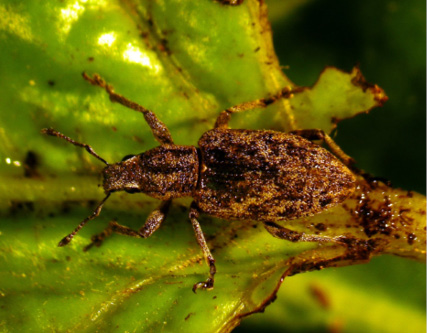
(359,80)
(374,217)
(320,296)
(411,238)
(230,2)
(321,227)
(31,164)
(18,206)
(163,46)
(188,316)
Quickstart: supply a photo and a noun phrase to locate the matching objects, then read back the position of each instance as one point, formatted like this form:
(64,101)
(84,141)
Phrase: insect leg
(209,282)
(294,236)
(225,115)
(155,219)
(89,149)
(317,134)
(152,223)
(160,131)
(99,238)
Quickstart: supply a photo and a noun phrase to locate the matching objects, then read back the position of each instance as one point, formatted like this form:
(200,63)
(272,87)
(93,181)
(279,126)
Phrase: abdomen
(267,176)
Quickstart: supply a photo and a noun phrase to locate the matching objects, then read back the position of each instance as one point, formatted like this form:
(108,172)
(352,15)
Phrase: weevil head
(123,176)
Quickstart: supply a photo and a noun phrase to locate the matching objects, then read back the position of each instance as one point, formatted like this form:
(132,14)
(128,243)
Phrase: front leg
(158,128)
(152,223)
(209,282)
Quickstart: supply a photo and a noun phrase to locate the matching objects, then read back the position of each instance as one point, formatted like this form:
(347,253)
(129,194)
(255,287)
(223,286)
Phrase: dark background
(387,40)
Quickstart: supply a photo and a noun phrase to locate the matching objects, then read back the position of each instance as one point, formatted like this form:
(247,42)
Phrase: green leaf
(186,61)
(382,296)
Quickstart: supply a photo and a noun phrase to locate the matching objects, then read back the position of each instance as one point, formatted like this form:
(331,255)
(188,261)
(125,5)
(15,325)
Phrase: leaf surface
(186,61)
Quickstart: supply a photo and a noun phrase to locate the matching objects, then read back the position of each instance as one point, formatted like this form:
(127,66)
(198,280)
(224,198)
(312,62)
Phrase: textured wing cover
(267,176)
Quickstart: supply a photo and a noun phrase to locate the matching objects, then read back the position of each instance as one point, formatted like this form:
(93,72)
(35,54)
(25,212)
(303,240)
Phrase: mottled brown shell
(267,176)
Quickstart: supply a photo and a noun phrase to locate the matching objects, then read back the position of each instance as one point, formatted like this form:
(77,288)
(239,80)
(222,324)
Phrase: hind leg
(158,128)
(317,134)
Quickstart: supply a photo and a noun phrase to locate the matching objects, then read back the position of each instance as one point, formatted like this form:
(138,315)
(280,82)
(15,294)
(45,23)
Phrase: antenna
(89,149)
(64,241)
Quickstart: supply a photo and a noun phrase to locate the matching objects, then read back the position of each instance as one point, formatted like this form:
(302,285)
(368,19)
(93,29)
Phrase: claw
(95,240)
(208,284)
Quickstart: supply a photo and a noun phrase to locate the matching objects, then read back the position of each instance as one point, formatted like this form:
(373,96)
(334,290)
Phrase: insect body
(267,176)
(235,174)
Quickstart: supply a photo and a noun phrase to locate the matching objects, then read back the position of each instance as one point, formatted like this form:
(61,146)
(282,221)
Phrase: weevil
(233,174)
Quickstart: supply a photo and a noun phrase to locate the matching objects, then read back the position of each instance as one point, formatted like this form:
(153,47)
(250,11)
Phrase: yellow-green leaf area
(186,61)
(335,96)
(319,301)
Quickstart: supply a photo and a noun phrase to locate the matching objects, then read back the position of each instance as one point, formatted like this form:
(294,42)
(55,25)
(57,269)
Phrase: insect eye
(132,190)
(127,157)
